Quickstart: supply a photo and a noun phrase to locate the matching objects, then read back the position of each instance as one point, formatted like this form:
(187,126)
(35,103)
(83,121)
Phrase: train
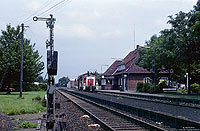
(87,82)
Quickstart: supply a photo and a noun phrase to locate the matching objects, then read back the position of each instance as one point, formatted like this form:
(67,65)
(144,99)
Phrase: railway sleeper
(107,102)
(168,120)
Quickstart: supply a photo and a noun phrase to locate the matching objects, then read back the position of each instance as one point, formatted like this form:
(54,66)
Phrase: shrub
(31,87)
(35,87)
(139,87)
(27,124)
(43,86)
(162,84)
(159,89)
(151,89)
(143,87)
(195,88)
(182,91)
(146,87)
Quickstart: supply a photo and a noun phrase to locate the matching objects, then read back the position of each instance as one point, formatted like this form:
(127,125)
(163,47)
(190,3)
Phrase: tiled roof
(112,68)
(137,69)
(131,57)
(130,66)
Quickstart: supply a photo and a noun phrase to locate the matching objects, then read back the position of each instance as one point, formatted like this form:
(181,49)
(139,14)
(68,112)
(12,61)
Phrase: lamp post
(186,76)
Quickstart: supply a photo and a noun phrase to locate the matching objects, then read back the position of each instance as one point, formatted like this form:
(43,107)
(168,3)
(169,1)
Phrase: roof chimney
(137,47)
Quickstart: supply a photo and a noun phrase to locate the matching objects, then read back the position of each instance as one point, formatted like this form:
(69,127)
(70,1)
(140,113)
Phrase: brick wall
(132,81)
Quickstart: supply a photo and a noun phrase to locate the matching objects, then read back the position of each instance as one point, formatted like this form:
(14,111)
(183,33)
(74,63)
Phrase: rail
(169,120)
(122,115)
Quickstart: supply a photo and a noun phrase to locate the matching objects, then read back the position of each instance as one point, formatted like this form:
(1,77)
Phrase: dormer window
(121,67)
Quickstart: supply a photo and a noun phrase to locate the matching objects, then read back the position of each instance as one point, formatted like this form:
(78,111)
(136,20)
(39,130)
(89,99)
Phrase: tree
(185,25)
(151,54)
(97,77)
(10,52)
(39,79)
(63,81)
(176,50)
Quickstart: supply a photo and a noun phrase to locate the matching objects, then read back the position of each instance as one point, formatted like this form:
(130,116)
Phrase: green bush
(159,89)
(162,84)
(151,89)
(182,91)
(139,86)
(31,87)
(35,87)
(146,87)
(43,86)
(143,87)
(195,88)
(27,124)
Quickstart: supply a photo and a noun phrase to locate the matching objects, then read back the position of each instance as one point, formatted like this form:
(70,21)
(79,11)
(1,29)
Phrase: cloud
(84,13)
(160,22)
(112,34)
(75,31)
(33,5)
(97,14)
(157,3)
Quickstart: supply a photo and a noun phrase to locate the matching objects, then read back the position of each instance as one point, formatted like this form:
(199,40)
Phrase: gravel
(75,118)
(177,111)
(6,124)
(32,118)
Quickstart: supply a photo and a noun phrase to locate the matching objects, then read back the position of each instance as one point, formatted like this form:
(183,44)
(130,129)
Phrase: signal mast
(52,60)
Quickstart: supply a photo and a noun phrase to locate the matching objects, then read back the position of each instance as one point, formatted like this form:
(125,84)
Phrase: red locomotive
(86,82)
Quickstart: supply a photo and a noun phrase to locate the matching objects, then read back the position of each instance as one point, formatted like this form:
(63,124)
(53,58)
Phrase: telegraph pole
(52,58)
(21,68)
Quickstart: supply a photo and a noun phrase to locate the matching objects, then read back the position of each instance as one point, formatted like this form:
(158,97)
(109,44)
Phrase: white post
(124,82)
(187,81)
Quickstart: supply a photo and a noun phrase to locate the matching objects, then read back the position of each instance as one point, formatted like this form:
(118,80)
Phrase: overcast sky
(88,33)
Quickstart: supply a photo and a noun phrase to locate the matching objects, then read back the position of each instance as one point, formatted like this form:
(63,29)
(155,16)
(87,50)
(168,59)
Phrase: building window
(147,80)
(121,67)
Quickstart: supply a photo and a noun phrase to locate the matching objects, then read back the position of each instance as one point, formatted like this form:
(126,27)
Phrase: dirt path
(6,124)
(33,118)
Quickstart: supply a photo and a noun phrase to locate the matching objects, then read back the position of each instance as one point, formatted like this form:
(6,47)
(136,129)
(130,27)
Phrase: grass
(26,124)
(11,105)
(119,98)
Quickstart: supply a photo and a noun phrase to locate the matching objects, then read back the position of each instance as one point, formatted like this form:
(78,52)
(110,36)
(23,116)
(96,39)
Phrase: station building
(125,74)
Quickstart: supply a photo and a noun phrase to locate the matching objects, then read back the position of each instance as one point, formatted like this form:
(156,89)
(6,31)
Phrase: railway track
(154,99)
(109,118)
(172,117)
